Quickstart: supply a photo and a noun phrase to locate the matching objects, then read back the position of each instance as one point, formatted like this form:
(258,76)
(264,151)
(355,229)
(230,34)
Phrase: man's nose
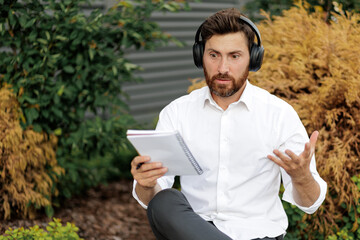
(223,66)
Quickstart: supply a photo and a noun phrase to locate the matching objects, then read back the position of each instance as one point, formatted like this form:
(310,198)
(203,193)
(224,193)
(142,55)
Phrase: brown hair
(226,21)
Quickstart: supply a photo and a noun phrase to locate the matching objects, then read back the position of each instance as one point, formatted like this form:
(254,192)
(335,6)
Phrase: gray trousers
(172,218)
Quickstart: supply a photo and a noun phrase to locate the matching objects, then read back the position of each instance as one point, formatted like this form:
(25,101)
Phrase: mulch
(103,213)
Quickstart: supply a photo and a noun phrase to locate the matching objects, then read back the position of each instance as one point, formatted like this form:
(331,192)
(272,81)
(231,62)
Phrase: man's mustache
(222,77)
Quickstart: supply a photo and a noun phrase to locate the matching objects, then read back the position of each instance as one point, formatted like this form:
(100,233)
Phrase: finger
(156,177)
(144,176)
(149,166)
(309,148)
(282,156)
(292,155)
(277,161)
(139,160)
(150,182)
(307,151)
(313,139)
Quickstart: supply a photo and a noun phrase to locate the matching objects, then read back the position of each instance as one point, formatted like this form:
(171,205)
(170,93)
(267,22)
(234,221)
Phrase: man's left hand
(297,166)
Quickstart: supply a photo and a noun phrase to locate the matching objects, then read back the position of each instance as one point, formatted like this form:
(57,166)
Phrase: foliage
(296,221)
(275,7)
(314,65)
(196,83)
(55,231)
(99,153)
(67,69)
(347,231)
(27,162)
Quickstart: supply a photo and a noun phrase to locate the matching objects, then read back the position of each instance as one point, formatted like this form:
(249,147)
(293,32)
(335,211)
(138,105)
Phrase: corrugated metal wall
(167,70)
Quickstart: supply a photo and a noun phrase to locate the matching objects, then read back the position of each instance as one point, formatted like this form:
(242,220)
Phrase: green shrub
(99,153)
(54,231)
(63,63)
(351,217)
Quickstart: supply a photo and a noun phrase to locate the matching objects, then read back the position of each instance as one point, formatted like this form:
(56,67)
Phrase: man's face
(226,63)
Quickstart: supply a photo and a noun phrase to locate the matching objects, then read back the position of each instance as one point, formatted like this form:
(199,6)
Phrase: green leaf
(45,113)
(31,114)
(91,53)
(27,99)
(30,23)
(47,35)
(114,69)
(37,128)
(61,90)
(22,21)
(73,35)
(130,66)
(57,112)
(33,36)
(61,38)
(12,20)
(58,131)
(43,41)
(170,7)
(79,59)
(69,69)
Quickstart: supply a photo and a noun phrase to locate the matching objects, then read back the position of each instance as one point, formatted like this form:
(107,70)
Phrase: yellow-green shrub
(315,66)
(28,167)
(54,231)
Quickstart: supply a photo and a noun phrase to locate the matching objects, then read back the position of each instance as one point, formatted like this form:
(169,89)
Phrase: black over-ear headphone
(256,51)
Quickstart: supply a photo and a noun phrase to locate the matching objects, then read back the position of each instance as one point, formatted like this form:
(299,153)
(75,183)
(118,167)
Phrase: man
(245,139)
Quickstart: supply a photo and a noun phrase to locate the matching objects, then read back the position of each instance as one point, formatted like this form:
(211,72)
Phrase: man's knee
(167,202)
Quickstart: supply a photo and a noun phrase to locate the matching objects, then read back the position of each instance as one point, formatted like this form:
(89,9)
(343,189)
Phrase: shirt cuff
(162,185)
(309,210)
(137,197)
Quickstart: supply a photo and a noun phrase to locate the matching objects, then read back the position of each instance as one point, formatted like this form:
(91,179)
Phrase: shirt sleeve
(164,182)
(165,123)
(288,194)
(293,136)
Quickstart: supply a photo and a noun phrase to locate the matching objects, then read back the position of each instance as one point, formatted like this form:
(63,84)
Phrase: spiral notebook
(166,147)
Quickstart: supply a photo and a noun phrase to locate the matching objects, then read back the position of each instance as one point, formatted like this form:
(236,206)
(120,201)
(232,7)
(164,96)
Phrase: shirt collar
(246,97)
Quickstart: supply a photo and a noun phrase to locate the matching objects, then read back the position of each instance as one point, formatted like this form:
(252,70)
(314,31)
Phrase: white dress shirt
(239,188)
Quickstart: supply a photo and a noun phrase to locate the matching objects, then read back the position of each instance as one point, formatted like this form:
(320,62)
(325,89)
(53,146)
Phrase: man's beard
(223,90)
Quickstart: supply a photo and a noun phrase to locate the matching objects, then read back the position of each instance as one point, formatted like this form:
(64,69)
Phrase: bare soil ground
(103,213)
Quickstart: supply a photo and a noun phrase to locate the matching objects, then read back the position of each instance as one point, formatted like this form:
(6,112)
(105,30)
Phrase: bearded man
(246,140)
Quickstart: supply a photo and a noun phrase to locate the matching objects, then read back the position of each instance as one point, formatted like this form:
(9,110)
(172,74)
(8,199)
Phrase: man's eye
(213,55)
(236,56)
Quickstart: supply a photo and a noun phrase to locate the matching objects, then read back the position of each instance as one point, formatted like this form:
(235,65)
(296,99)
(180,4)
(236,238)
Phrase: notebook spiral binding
(189,154)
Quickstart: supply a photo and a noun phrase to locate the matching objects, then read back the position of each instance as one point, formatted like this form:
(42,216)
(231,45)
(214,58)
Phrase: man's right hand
(146,173)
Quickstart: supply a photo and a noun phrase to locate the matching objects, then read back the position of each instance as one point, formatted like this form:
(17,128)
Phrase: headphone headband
(246,20)
(253,27)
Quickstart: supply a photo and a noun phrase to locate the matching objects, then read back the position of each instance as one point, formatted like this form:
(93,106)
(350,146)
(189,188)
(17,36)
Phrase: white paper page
(164,148)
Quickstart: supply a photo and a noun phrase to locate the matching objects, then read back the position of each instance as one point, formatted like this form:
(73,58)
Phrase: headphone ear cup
(256,57)
(198,51)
